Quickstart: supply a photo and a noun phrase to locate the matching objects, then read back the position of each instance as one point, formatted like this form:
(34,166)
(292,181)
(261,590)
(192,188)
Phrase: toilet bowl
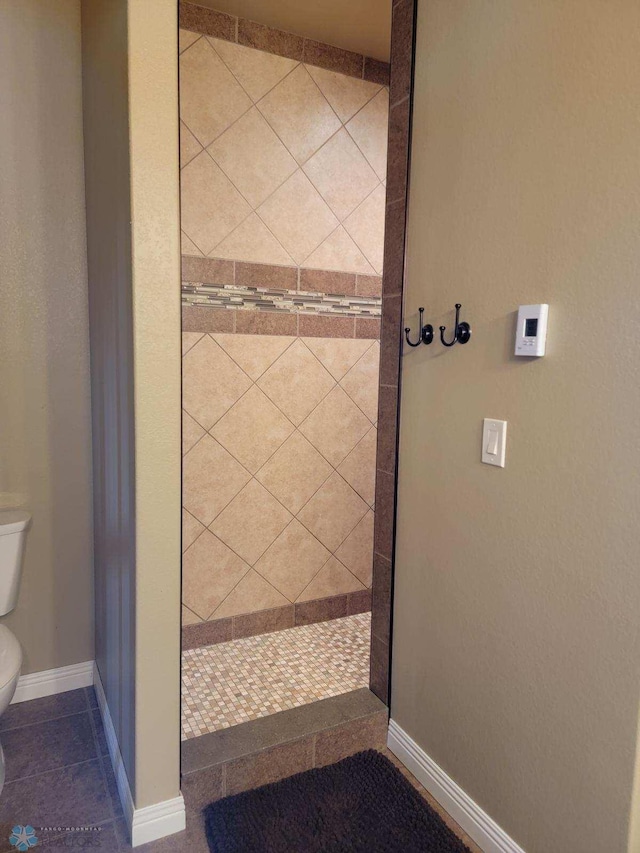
(13,526)
(10,663)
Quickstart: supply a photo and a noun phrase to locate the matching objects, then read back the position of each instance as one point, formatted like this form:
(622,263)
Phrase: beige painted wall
(45,452)
(131,138)
(154,151)
(516,640)
(363,26)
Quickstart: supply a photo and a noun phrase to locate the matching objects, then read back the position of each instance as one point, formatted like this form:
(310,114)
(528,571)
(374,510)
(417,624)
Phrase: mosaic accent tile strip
(280,301)
(231,683)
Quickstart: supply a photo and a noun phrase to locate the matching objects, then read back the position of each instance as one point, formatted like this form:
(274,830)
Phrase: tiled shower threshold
(233,683)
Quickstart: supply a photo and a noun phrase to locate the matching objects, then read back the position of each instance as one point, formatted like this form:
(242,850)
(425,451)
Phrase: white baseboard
(51,681)
(148,823)
(474,821)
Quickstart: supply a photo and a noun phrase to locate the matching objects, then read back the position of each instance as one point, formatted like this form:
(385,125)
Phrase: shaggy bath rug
(362,804)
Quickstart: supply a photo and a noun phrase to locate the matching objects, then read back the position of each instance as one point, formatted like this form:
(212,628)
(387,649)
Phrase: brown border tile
(368,327)
(341,741)
(325,326)
(387,428)
(225,745)
(385,512)
(266,275)
(321,609)
(380,669)
(269,765)
(202,318)
(376,71)
(402,23)
(206,633)
(333,58)
(390,339)
(398,151)
(266,323)
(394,247)
(207,270)
(263,621)
(359,602)
(327,281)
(381,598)
(201,19)
(252,34)
(369,285)
(275,619)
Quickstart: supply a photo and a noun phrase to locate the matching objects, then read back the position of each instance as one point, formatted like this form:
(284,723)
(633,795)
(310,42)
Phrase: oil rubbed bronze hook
(461,333)
(425,335)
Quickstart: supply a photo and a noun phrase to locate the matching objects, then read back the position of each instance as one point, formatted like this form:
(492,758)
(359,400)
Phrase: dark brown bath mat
(362,804)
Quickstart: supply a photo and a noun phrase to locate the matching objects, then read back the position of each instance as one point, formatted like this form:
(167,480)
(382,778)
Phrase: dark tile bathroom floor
(59,775)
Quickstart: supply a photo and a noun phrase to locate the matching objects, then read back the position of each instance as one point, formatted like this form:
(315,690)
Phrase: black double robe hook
(426,332)
(462,331)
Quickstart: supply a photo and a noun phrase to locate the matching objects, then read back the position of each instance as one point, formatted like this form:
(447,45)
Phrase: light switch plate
(494,442)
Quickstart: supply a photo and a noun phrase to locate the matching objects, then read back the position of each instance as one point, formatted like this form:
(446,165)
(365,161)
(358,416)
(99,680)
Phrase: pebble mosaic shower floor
(235,682)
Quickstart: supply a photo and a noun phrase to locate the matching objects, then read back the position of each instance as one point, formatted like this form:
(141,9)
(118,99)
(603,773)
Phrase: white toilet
(13,529)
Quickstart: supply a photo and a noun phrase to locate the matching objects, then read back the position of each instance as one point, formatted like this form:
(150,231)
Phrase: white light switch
(494,442)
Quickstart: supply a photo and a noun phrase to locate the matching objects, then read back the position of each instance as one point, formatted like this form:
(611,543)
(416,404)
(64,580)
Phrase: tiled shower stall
(283,170)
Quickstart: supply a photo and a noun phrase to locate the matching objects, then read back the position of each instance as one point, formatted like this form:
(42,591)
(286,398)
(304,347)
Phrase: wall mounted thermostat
(531,334)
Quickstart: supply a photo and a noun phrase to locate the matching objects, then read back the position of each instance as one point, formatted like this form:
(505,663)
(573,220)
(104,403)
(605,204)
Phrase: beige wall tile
(252,241)
(189,617)
(253,158)
(341,174)
(339,252)
(210,571)
(254,354)
(293,560)
(294,473)
(251,522)
(188,247)
(189,145)
(337,355)
(296,382)
(297,216)
(333,512)
(356,552)
(366,226)
(211,382)
(185,39)
(253,429)
(192,432)
(211,206)
(361,382)
(332,579)
(190,339)
(211,478)
(369,129)
(359,468)
(346,95)
(300,114)
(203,74)
(256,70)
(320,427)
(191,529)
(251,594)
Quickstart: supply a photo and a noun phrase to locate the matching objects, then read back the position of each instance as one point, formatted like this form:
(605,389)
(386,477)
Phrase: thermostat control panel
(531,333)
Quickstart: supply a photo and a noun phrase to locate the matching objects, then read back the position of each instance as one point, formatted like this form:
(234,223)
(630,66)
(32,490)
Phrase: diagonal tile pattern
(291,152)
(300,114)
(278,470)
(211,98)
